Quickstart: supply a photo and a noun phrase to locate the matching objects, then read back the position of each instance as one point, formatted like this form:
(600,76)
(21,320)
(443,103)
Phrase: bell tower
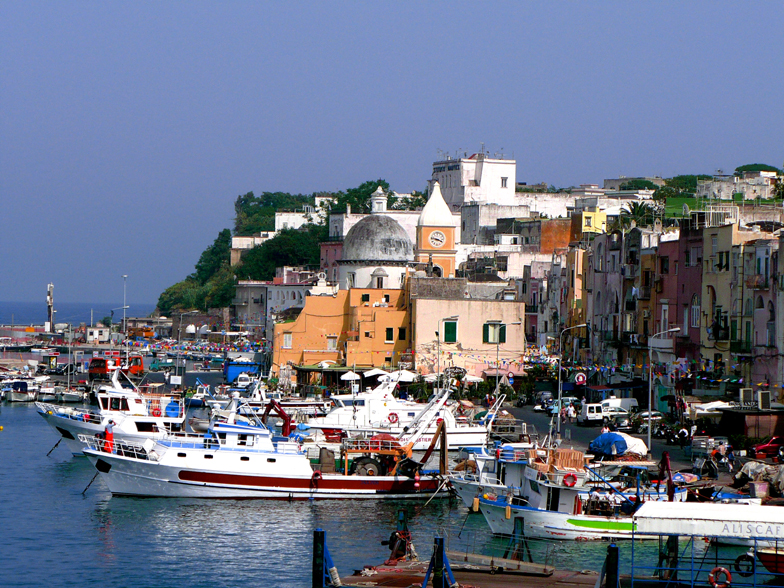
(436,235)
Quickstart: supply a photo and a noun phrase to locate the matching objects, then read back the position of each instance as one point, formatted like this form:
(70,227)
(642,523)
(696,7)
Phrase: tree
(679,187)
(756,167)
(106,321)
(638,184)
(416,201)
(642,213)
(214,258)
(288,247)
(254,214)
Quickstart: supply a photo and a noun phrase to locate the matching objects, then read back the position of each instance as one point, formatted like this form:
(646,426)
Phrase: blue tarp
(604,444)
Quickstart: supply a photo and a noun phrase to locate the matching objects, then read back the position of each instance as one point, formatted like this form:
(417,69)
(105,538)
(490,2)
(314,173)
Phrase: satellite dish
(686,210)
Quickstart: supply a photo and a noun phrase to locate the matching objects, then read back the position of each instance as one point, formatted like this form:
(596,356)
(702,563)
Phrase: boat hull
(134,477)
(543,524)
(470,489)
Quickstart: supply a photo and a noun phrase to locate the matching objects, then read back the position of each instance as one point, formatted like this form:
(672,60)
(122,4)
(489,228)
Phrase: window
(401,333)
(366,298)
(450,331)
(695,311)
(503,182)
(380,282)
(350,279)
(587,221)
(664,265)
(714,244)
(390,333)
(386,298)
(494,333)
(332,343)
(286,340)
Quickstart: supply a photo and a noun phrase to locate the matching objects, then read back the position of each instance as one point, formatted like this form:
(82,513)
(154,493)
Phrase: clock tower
(436,235)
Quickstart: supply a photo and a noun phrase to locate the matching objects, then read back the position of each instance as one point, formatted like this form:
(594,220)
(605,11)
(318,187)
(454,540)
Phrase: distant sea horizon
(34,313)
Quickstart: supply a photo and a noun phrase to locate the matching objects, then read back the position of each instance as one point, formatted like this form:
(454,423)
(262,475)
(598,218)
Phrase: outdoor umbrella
(349,375)
(375,372)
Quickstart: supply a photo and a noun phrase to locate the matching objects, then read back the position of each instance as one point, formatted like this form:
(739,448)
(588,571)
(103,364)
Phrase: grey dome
(377,237)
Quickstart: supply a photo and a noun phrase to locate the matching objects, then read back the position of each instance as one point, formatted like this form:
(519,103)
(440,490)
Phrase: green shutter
(390,334)
(485,333)
(450,332)
(502,334)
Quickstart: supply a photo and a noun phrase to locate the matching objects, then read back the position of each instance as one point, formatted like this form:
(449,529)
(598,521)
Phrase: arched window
(600,258)
(771,311)
(760,303)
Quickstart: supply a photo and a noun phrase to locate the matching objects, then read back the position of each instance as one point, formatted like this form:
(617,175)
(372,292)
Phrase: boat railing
(123,448)
(358,445)
(67,412)
(688,562)
(513,553)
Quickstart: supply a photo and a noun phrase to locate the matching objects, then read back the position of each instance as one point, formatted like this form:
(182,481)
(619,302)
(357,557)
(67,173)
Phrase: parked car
(622,422)
(640,419)
(769,449)
(611,413)
(161,364)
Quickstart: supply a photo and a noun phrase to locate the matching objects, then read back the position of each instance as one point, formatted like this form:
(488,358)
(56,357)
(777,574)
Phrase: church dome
(377,237)
(436,212)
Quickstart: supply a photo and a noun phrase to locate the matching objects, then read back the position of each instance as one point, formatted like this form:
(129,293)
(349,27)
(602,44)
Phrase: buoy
(508,513)
(475,505)
(1,427)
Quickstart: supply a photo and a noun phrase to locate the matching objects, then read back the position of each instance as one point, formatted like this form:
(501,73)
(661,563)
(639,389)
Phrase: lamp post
(438,349)
(125,277)
(650,380)
(560,358)
(179,339)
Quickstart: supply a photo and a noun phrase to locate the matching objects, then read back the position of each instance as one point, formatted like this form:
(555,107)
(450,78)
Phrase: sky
(128,129)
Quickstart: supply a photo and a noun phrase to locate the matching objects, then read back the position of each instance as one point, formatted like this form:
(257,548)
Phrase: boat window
(271,460)
(412,414)
(355,403)
(105,403)
(244,458)
(180,455)
(146,427)
(244,439)
(534,486)
(207,456)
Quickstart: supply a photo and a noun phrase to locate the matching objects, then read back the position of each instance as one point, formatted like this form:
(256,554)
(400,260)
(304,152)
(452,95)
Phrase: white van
(590,414)
(627,404)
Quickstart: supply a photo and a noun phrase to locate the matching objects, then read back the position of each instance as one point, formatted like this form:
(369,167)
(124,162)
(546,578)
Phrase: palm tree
(642,213)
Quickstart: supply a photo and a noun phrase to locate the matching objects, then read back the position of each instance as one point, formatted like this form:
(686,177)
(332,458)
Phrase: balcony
(741,347)
(758,282)
(644,293)
(609,335)
(630,271)
(531,309)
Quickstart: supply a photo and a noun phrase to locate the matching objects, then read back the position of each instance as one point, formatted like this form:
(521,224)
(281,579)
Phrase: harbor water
(54,535)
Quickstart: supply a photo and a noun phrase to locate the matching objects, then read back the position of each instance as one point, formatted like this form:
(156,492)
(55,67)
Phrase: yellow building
(436,235)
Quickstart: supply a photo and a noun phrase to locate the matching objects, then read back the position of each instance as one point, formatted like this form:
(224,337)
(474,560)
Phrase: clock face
(437,239)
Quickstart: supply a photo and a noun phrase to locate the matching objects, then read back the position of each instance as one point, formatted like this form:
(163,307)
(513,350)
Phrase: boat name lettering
(752,529)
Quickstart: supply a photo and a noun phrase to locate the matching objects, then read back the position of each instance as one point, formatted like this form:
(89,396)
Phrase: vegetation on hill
(212,283)
(754,167)
(679,187)
(638,184)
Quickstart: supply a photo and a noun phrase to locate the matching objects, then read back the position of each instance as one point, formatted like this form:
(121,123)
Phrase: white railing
(122,448)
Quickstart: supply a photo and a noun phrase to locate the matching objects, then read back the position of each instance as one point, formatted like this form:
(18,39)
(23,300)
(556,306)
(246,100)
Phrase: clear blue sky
(128,129)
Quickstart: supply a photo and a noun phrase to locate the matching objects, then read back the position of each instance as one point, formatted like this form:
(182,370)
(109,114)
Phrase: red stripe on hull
(380,485)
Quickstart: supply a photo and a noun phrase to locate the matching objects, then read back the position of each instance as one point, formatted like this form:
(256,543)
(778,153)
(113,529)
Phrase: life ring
(569,480)
(392,417)
(745,565)
(439,421)
(713,578)
(156,412)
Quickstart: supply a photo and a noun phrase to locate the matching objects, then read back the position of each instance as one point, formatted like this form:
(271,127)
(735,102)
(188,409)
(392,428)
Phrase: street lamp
(125,277)
(650,380)
(560,358)
(438,349)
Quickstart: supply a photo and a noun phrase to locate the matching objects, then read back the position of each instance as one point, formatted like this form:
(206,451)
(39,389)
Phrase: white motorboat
(20,390)
(241,460)
(380,411)
(138,414)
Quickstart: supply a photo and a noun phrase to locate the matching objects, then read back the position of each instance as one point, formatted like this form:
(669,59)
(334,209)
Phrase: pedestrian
(563,414)
(683,436)
(730,457)
(605,429)
(571,413)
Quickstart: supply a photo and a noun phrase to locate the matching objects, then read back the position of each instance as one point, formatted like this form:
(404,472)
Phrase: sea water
(56,535)
(34,313)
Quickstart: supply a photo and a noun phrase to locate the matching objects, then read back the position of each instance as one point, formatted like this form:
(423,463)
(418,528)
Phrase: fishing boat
(21,390)
(47,393)
(137,414)
(559,497)
(243,460)
(69,395)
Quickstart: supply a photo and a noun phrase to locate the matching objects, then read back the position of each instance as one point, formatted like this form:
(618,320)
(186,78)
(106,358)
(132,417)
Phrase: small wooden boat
(772,558)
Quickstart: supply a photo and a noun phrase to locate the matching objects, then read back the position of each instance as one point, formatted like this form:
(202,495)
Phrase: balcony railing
(758,282)
(531,308)
(740,347)
(644,293)
(630,271)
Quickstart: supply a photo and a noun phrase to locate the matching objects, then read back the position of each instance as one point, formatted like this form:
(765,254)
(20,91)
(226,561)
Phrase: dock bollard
(612,566)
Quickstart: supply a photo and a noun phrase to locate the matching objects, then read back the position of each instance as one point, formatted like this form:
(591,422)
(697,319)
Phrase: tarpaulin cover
(608,444)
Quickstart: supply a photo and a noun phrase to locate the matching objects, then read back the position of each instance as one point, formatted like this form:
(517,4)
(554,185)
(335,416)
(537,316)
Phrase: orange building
(435,235)
(360,328)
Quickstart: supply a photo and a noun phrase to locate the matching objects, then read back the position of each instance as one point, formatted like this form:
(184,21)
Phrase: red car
(769,449)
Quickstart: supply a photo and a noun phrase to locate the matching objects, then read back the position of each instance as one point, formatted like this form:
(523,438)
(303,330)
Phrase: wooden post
(612,566)
(319,543)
